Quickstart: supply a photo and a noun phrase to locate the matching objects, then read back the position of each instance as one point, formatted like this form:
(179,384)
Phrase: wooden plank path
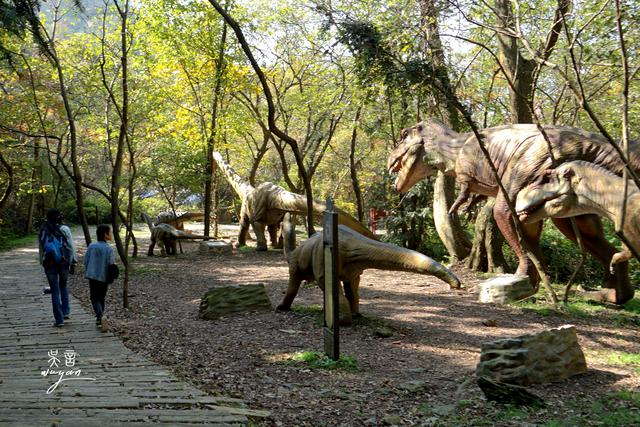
(121,387)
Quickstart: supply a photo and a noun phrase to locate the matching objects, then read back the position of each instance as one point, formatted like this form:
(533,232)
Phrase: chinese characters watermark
(63,375)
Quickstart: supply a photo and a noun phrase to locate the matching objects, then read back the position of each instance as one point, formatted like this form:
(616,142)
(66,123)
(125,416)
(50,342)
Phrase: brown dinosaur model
(177,220)
(520,154)
(577,188)
(264,206)
(356,254)
(167,237)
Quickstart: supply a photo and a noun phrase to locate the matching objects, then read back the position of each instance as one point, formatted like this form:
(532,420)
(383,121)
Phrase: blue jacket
(98,257)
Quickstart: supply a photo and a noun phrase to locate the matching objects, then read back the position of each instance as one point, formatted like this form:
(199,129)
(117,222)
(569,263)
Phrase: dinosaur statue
(356,254)
(177,220)
(520,154)
(167,237)
(264,206)
(577,188)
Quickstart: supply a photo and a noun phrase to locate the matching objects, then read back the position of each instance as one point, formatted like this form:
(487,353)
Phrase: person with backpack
(97,261)
(58,257)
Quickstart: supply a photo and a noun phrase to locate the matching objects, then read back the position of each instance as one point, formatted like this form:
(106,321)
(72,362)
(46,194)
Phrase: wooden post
(331,302)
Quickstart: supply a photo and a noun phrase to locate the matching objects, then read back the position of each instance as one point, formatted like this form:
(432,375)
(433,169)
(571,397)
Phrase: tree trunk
(448,228)
(7,192)
(352,166)
(486,254)
(520,70)
(77,174)
(122,138)
(35,183)
(210,168)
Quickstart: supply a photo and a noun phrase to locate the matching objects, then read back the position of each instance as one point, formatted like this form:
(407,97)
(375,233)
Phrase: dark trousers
(98,292)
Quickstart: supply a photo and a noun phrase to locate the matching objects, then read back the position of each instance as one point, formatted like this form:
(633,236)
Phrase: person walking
(58,257)
(96,268)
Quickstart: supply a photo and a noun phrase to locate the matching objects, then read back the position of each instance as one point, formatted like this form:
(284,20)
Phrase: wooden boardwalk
(120,387)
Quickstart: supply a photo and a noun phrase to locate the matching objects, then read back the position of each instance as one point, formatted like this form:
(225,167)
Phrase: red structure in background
(376,215)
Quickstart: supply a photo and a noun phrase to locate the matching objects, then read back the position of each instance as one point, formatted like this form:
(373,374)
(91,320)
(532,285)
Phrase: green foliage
(9,239)
(411,222)
(624,359)
(562,258)
(317,360)
(585,310)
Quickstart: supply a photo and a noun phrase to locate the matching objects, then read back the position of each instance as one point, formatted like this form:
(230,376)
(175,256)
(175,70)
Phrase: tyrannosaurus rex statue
(356,254)
(167,237)
(264,206)
(577,188)
(520,154)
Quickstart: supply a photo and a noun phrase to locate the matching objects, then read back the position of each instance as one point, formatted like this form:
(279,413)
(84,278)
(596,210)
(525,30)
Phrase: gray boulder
(215,247)
(550,355)
(504,288)
(218,302)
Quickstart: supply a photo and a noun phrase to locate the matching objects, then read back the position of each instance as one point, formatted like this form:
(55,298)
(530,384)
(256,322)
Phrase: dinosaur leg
(276,242)
(170,245)
(151,246)
(462,197)
(351,291)
(344,309)
(531,237)
(292,291)
(623,255)
(616,288)
(258,229)
(244,232)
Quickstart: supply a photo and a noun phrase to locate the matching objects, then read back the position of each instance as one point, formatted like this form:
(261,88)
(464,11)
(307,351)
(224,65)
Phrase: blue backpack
(52,246)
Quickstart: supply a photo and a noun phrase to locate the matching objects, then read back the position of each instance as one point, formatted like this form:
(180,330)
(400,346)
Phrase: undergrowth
(317,360)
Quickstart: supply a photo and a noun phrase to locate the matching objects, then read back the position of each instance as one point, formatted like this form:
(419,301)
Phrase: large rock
(215,247)
(230,299)
(504,288)
(551,355)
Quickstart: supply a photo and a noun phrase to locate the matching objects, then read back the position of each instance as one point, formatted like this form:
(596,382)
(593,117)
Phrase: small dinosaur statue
(264,206)
(167,237)
(576,188)
(520,154)
(177,220)
(356,254)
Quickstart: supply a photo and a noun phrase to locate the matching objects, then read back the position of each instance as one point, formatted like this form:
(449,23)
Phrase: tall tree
(448,227)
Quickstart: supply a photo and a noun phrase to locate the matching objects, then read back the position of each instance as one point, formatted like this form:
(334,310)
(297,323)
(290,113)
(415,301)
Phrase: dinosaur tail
(371,253)
(297,203)
(288,235)
(186,236)
(239,185)
(148,220)
(344,218)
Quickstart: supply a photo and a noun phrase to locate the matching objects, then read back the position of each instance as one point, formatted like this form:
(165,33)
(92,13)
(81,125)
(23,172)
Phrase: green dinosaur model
(356,254)
(264,206)
(520,154)
(577,188)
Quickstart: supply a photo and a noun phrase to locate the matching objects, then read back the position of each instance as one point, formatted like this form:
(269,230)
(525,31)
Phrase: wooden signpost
(331,302)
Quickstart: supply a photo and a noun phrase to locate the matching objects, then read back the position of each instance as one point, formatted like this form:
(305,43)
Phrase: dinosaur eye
(419,128)
(404,134)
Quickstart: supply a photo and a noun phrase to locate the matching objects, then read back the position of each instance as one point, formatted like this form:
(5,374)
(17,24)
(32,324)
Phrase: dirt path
(412,377)
(111,384)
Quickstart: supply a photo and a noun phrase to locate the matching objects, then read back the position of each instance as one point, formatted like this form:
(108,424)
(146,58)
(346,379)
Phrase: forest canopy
(113,108)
